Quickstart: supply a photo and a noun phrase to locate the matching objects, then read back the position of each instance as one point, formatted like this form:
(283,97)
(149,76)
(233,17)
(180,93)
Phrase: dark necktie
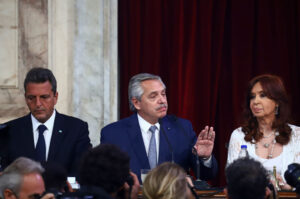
(152,154)
(41,146)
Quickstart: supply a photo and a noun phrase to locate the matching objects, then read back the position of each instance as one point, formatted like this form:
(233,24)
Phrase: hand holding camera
(292,176)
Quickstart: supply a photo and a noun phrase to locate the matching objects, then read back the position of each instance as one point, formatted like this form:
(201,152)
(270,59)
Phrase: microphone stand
(198,183)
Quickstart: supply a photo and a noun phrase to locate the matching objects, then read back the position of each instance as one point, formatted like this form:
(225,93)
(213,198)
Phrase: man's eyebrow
(153,92)
(35,195)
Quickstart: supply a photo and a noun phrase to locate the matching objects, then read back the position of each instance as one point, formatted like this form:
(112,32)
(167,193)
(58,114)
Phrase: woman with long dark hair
(269,137)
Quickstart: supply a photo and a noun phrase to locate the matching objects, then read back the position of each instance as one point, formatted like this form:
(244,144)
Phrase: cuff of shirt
(207,162)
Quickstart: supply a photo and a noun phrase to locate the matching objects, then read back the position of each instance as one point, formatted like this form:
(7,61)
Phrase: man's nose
(162,99)
(38,101)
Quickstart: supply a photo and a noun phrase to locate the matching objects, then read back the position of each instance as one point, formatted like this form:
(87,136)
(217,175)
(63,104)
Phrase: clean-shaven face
(40,100)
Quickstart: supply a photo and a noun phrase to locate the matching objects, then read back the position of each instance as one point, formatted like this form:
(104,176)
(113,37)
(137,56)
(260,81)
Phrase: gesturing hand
(205,142)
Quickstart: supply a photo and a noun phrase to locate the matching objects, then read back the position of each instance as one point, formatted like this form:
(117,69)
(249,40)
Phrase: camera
(129,180)
(292,176)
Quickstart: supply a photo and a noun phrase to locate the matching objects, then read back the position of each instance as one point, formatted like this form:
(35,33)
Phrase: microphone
(198,183)
(169,144)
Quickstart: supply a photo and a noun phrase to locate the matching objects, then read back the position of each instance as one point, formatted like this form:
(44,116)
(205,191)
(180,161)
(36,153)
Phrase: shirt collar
(49,123)
(144,125)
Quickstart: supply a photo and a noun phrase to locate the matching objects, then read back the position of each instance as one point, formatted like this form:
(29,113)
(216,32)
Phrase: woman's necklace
(264,136)
(266,145)
(270,155)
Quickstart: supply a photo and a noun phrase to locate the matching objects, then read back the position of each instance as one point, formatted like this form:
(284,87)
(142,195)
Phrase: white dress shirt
(146,134)
(47,133)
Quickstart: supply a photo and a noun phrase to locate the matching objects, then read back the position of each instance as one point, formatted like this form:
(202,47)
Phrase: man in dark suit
(45,134)
(151,137)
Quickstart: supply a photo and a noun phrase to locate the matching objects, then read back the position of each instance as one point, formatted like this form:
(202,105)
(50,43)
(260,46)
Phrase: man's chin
(162,114)
(40,118)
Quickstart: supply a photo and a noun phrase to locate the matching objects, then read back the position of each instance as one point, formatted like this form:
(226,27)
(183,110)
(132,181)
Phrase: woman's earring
(276,110)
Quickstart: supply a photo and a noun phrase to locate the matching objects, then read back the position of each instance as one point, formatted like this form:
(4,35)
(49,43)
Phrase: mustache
(161,106)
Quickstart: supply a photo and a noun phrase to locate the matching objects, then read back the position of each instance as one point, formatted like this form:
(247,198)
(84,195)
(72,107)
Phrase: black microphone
(198,183)
(169,144)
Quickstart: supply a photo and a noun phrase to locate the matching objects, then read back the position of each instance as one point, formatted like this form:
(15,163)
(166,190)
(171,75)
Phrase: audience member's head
(167,181)
(106,167)
(55,177)
(247,179)
(22,179)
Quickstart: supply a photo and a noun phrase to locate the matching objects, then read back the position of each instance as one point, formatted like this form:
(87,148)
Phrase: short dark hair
(247,179)
(40,75)
(104,166)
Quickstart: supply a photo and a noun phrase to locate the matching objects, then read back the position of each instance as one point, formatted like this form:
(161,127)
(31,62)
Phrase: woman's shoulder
(238,133)
(295,130)
(294,127)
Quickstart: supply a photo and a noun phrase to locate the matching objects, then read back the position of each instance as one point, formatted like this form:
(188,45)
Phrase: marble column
(24,44)
(95,85)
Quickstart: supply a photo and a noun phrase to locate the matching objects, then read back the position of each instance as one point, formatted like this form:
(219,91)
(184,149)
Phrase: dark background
(206,51)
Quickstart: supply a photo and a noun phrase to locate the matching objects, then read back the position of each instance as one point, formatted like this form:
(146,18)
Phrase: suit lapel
(166,150)
(137,143)
(57,136)
(26,137)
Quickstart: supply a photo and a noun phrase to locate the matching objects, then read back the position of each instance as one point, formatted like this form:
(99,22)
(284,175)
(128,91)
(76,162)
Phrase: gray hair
(12,176)
(135,89)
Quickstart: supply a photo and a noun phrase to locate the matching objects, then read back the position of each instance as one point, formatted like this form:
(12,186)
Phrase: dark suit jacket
(127,135)
(70,139)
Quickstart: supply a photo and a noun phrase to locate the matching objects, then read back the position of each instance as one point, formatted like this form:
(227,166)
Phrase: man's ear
(55,97)
(9,194)
(226,193)
(136,103)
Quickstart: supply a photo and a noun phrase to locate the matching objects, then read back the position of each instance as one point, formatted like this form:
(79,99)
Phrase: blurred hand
(135,187)
(282,185)
(70,189)
(189,181)
(205,142)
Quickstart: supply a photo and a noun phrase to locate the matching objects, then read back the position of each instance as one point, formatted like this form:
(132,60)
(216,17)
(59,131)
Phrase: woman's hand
(281,183)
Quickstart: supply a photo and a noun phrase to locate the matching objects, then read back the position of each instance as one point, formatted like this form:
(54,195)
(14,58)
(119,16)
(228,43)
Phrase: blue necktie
(152,155)
(41,146)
